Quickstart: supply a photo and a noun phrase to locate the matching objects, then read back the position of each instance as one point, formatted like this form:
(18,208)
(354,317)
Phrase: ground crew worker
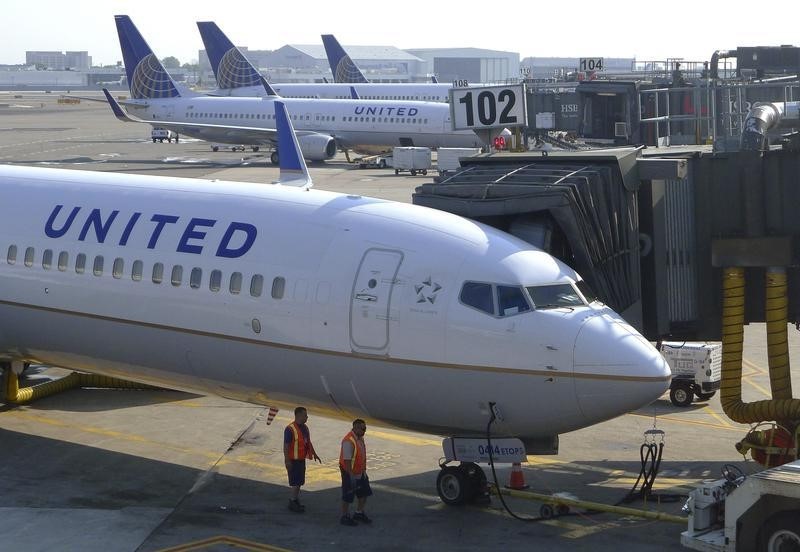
(353,465)
(297,448)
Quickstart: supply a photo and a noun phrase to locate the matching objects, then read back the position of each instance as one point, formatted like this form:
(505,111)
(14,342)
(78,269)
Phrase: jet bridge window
(555,296)
(11,257)
(478,296)
(511,300)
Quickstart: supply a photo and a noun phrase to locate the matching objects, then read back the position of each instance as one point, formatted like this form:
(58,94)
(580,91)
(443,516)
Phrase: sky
(646,30)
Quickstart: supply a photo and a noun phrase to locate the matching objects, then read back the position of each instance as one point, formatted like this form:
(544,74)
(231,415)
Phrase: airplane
(343,68)
(236,76)
(322,125)
(400,314)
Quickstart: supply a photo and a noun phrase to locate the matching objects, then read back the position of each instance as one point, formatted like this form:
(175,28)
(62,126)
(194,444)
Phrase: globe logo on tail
(150,80)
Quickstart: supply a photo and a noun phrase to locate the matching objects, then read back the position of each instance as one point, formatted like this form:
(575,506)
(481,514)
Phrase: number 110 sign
(488,107)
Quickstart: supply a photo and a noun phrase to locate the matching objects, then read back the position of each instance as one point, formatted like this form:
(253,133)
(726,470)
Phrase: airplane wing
(138,103)
(236,133)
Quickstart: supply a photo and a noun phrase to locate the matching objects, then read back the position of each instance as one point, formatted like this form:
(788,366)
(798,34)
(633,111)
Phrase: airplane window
(554,296)
(236,283)
(158,273)
(256,285)
(215,282)
(137,270)
(80,263)
(511,300)
(97,268)
(119,266)
(478,296)
(278,287)
(587,291)
(47,259)
(196,278)
(29,257)
(177,275)
(63,261)
(11,257)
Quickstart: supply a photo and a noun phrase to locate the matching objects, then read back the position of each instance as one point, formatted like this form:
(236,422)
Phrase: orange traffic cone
(517,480)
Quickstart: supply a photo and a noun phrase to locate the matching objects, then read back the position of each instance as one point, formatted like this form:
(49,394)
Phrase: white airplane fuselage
(266,293)
(416,91)
(352,123)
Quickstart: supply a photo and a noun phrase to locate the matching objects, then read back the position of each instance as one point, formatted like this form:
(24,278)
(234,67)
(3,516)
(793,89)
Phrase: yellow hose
(777,309)
(14,394)
(777,409)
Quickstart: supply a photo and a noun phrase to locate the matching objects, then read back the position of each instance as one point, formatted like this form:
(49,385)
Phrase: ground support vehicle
(759,512)
(412,159)
(696,370)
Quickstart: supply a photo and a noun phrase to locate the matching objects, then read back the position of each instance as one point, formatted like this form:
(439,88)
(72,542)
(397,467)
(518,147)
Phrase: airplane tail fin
(231,68)
(434,80)
(293,170)
(342,67)
(147,78)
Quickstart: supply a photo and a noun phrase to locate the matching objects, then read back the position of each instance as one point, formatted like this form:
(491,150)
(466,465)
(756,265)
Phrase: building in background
(59,61)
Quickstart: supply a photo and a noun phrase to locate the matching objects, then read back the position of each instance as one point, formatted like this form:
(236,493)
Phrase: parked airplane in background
(273,294)
(343,68)
(236,76)
(322,125)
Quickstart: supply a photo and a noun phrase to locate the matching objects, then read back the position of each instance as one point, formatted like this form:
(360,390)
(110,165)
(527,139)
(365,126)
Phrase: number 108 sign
(488,107)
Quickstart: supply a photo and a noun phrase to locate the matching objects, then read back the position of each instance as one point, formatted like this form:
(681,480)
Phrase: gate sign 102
(488,107)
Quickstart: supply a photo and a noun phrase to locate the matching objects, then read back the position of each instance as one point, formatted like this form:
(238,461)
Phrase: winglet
(353,94)
(342,67)
(290,159)
(147,77)
(434,80)
(119,113)
(268,87)
(231,67)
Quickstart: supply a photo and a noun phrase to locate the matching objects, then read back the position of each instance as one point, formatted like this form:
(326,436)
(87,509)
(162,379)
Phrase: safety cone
(517,480)
(271,414)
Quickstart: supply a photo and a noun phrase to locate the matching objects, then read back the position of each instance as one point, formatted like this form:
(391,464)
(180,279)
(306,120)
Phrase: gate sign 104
(477,108)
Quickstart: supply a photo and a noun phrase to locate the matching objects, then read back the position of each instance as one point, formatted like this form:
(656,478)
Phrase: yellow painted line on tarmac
(691,422)
(229,541)
(757,386)
(405,492)
(753,366)
(716,416)
(405,439)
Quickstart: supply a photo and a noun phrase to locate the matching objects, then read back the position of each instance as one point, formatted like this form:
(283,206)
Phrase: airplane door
(371,300)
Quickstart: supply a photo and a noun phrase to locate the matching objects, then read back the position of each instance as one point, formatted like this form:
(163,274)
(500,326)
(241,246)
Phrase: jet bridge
(649,229)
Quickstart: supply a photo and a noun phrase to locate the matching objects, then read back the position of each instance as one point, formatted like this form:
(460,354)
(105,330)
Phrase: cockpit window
(478,295)
(587,291)
(555,296)
(511,300)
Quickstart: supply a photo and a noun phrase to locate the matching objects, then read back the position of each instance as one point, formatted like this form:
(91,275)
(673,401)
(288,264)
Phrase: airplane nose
(616,369)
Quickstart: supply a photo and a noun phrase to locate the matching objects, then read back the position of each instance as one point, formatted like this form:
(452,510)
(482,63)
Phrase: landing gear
(274,159)
(461,484)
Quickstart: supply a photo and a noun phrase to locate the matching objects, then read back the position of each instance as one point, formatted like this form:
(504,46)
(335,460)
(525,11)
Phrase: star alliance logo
(427,291)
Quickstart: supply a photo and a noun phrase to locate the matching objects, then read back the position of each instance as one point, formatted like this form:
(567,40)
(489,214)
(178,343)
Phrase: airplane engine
(317,147)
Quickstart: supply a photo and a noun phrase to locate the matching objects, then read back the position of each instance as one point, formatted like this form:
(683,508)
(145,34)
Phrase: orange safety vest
(298,450)
(358,463)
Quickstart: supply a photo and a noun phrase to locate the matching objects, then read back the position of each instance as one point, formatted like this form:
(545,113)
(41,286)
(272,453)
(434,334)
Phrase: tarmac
(150,470)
